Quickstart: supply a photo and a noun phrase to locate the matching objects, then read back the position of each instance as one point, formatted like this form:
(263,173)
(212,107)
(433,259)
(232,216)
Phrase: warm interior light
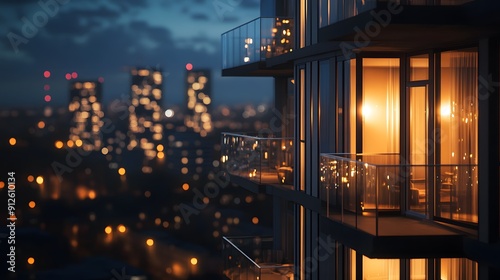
(445,110)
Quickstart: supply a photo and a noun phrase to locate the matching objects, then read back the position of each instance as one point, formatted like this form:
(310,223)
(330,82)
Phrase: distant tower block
(198,100)
(145,128)
(86,112)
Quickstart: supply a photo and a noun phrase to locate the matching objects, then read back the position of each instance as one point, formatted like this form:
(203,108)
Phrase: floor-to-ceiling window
(458,269)
(380,105)
(457,187)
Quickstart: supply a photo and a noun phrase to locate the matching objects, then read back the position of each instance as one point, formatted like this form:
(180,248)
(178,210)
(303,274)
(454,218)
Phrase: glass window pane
(419,67)
(418,149)
(327,107)
(418,269)
(457,193)
(380,268)
(380,108)
(458,269)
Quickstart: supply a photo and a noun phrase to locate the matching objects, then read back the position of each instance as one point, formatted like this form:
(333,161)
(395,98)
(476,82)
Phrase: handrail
(256,137)
(339,155)
(247,23)
(245,255)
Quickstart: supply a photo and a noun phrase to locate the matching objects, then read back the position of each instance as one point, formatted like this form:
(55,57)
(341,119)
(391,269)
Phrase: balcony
(381,207)
(333,11)
(253,258)
(256,41)
(364,191)
(262,160)
(398,25)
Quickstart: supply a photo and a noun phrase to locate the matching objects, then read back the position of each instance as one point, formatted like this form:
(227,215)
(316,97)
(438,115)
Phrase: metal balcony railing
(264,160)
(253,258)
(257,40)
(358,190)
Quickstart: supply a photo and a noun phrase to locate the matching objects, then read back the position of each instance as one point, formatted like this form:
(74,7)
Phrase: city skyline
(86,39)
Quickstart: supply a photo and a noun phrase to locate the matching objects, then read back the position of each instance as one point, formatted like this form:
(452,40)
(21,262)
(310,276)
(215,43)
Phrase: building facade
(86,114)
(395,141)
(145,127)
(198,100)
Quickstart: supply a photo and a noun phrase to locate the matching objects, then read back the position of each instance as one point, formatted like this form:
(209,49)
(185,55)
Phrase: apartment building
(383,160)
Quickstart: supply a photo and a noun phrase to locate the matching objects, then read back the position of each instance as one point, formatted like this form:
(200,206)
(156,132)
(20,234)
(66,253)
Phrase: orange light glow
(194,261)
(31,260)
(12,141)
(32,204)
(59,144)
(150,242)
(121,171)
(185,186)
(255,220)
(108,230)
(39,180)
(2,184)
(122,228)
(92,194)
(31,178)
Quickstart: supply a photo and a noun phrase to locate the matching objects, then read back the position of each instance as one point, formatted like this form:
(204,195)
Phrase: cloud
(250,3)
(79,22)
(127,5)
(200,17)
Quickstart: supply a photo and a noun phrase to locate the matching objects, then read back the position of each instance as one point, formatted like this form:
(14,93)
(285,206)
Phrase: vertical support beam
(488,141)
(489,196)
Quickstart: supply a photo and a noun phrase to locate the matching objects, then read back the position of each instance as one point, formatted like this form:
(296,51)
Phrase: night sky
(104,38)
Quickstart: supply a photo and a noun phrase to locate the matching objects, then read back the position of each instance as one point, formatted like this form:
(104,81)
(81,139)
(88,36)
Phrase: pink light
(74,75)
(47,98)
(189,66)
(68,76)
(46,74)
(101,80)
(46,87)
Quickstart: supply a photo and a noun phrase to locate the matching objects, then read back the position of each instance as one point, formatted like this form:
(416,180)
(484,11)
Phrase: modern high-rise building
(145,127)
(86,117)
(198,100)
(394,153)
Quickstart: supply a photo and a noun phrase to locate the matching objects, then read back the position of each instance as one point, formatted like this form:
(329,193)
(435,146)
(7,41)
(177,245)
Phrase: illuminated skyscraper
(198,99)
(86,115)
(145,129)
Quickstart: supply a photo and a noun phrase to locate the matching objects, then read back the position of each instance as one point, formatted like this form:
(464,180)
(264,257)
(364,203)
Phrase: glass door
(418,183)
(418,156)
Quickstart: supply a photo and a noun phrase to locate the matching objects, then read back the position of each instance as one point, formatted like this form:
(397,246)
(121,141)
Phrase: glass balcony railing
(358,190)
(332,11)
(257,40)
(253,258)
(264,160)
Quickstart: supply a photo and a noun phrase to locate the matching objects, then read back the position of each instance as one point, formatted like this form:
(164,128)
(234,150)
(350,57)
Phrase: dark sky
(104,38)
